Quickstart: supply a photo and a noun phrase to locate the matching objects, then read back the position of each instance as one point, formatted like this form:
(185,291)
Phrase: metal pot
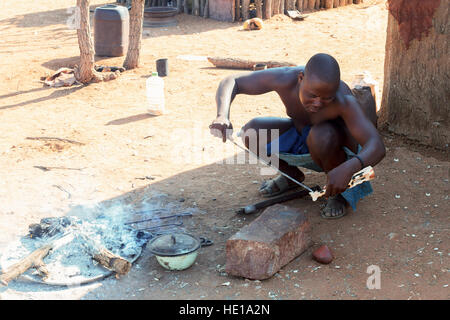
(176,251)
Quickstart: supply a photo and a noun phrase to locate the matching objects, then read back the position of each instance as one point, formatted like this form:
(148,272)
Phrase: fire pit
(155,17)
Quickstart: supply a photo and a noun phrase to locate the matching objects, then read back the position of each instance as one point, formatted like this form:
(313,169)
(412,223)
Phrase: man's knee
(323,139)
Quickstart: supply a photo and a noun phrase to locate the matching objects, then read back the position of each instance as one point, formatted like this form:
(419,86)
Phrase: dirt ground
(402,228)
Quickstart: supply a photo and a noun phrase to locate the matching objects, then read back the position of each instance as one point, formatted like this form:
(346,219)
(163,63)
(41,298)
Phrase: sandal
(333,203)
(275,186)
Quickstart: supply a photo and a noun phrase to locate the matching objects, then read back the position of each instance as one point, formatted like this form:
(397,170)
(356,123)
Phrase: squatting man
(327,130)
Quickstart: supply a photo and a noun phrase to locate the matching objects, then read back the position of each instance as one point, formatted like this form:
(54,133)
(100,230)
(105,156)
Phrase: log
(245,9)
(235,63)
(34,260)
(258,5)
(105,257)
(329,4)
(267,9)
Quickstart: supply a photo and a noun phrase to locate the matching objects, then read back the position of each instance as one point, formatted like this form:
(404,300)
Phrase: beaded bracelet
(360,160)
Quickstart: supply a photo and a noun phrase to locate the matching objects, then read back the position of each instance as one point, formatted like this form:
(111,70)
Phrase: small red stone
(323,255)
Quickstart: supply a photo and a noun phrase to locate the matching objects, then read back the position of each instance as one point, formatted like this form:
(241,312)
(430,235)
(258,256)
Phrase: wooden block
(261,248)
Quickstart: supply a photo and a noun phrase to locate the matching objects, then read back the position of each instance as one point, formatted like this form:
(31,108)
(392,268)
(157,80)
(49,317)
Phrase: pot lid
(174,244)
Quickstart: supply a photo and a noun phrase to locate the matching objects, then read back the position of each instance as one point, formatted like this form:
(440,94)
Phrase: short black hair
(324,67)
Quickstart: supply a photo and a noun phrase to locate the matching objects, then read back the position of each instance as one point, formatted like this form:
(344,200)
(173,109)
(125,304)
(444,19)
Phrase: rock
(323,255)
(261,248)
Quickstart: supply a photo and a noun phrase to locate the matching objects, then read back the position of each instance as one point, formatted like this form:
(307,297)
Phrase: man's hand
(222,128)
(338,179)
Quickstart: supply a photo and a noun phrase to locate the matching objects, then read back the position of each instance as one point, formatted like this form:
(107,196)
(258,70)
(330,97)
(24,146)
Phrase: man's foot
(335,208)
(276,186)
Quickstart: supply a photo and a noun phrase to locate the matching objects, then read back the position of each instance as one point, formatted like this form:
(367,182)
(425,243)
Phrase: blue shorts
(293,149)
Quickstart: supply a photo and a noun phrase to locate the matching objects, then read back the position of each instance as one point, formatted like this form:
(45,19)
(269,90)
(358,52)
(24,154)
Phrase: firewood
(235,63)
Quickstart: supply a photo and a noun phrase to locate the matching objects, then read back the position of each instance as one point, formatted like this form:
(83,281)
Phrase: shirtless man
(324,117)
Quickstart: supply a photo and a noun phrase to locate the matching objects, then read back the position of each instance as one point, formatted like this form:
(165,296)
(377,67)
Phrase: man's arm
(253,83)
(365,134)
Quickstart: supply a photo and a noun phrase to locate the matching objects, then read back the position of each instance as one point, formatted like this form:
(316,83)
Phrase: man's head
(320,82)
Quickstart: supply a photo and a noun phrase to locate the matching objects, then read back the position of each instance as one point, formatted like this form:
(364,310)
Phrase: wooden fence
(241,10)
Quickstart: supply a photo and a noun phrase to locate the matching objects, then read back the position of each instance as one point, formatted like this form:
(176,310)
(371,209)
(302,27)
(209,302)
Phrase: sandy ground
(402,227)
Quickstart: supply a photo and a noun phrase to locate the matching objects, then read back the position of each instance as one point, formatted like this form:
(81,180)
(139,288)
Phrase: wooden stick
(54,139)
(234,63)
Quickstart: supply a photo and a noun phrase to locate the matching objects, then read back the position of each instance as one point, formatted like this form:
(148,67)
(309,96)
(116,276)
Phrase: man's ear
(301,75)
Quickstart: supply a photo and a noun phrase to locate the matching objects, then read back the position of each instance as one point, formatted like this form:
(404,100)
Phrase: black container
(111,30)
(162,66)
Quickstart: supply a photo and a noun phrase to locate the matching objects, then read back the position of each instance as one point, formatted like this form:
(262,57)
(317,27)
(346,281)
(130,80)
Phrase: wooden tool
(365,174)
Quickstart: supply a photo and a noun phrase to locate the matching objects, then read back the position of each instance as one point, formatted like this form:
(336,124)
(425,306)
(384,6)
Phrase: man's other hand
(221,128)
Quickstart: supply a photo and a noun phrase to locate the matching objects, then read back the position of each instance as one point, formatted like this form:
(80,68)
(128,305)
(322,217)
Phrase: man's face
(315,94)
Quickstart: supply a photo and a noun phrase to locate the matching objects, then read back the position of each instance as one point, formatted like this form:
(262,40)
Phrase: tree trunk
(85,72)
(136,19)
(415,95)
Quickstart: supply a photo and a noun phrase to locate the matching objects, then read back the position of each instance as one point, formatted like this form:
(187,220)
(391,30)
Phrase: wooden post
(311,4)
(206,11)
(317,6)
(357,1)
(186,7)
(300,5)
(258,5)
(342,3)
(282,6)
(349,2)
(290,4)
(196,7)
(328,4)
(335,3)
(267,9)
(178,6)
(245,9)
(275,7)
(237,10)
